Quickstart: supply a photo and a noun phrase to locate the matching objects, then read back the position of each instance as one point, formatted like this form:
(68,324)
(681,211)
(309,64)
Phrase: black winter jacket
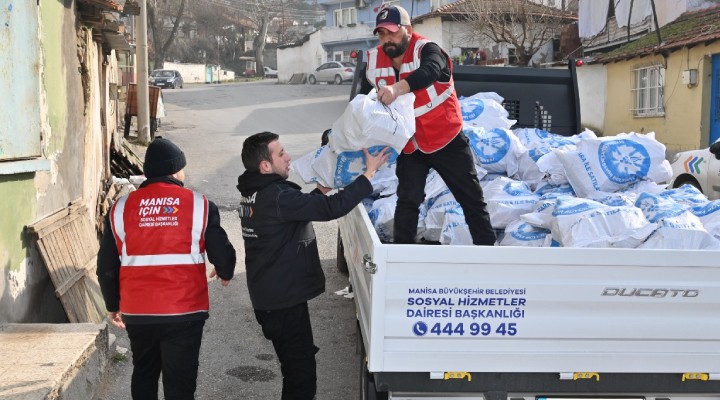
(281,253)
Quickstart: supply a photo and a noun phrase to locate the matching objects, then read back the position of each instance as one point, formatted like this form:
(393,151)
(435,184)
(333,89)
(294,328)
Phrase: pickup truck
(500,323)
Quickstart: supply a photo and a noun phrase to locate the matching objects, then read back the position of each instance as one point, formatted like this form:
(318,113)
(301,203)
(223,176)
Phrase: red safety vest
(159,231)
(438,118)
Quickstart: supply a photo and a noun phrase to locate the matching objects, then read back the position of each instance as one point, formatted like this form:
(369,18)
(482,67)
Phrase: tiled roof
(460,8)
(691,28)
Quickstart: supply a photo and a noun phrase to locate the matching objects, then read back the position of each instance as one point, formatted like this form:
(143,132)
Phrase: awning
(351,44)
(117,41)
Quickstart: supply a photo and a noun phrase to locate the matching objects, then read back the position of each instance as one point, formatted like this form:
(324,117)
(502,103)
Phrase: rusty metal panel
(20,103)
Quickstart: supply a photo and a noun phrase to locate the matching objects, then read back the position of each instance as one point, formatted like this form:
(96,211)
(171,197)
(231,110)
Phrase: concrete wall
(197,73)
(592,88)
(685,124)
(305,58)
(68,107)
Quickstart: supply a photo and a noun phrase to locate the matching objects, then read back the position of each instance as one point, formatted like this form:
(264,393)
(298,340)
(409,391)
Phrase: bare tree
(157,16)
(522,24)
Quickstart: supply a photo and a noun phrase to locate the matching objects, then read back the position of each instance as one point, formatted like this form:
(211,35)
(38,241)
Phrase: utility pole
(143,90)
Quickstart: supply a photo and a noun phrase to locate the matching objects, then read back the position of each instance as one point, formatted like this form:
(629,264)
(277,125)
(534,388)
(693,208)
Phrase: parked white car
(270,73)
(700,168)
(335,72)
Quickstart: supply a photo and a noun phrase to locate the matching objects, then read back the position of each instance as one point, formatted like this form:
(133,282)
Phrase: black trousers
(455,165)
(170,348)
(290,331)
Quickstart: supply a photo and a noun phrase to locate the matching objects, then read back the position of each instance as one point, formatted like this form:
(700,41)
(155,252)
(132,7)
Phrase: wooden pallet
(68,245)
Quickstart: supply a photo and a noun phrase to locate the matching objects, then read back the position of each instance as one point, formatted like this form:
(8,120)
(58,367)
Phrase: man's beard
(396,49)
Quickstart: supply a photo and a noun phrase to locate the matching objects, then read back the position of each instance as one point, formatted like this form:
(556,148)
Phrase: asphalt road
(210,122)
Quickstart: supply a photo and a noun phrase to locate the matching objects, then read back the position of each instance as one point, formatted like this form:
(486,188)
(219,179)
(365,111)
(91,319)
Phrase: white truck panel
(511,309)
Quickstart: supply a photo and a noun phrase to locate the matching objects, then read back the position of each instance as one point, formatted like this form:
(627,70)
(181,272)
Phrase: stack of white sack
(365,123)
(591,192)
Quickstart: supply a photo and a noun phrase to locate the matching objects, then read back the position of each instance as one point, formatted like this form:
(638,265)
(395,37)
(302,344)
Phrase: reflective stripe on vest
(427,99)
(195,256)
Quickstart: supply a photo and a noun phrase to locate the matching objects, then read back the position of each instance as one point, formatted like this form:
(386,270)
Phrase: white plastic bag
(367,122)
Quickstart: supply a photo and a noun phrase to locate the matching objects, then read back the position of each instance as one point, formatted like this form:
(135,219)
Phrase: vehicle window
(324,66)
(162,74)
(348,64)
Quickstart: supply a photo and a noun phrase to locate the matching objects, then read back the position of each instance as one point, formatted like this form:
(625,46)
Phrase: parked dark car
(166,78)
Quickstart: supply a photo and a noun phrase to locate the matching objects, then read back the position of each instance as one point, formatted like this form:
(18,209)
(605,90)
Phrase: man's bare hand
(323,189)
(213,274)
(116,319)
(373,162)
(388,93)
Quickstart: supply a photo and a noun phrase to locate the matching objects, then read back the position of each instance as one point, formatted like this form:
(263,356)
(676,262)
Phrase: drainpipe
(143,94)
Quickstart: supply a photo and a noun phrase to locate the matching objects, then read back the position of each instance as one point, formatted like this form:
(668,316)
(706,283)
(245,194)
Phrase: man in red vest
(152,274)
(406,62)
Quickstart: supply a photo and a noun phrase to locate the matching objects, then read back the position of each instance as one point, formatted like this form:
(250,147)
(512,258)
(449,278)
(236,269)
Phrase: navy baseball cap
(391,18)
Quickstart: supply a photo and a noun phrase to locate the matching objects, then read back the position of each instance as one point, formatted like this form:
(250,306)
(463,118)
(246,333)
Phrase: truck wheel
(687,180)
(368,390)
(342,264)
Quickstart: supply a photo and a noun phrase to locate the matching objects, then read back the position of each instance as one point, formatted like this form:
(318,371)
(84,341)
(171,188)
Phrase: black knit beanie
(163,158)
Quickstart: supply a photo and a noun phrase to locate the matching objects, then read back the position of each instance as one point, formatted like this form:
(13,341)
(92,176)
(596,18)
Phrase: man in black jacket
(281,253)
(152,274)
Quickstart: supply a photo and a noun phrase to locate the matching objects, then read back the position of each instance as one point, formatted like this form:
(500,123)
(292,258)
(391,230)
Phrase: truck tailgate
(515,309)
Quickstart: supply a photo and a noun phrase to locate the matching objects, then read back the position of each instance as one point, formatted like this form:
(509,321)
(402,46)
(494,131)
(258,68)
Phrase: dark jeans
(291,334)
(455,165)
(171,348)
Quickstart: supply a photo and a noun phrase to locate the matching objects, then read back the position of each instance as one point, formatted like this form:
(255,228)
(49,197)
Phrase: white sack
(497,150)
(678,227)
(367,122)
(303,166)
(484,113)
(520,233)
(455,230)
(709,214)
(587,223)
(507,199)
(382,217)
(613,163)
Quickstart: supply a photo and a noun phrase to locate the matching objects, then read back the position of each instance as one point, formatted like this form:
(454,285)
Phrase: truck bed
(435,309)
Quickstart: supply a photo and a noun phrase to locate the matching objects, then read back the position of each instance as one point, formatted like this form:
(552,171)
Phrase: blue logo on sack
(706,209)
(472,109)
(624,160)
(528,233)
(490,147)
(517,189)
(656,208)
(350,164)
(570,206)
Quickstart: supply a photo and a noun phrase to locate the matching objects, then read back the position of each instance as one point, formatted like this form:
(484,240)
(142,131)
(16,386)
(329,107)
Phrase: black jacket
(220,253)
(281,253)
